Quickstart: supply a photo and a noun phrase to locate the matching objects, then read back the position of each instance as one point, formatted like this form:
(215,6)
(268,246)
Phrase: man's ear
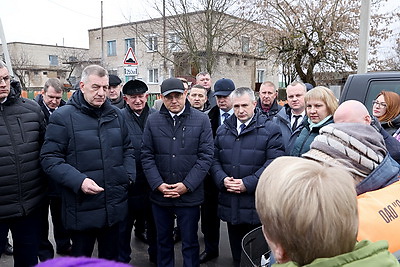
(368,119)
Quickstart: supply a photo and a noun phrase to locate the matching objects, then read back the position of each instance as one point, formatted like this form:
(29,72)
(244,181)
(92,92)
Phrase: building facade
(33,64)
(181,46)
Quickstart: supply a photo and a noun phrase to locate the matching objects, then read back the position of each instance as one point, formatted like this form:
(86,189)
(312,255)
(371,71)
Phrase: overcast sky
(66,22)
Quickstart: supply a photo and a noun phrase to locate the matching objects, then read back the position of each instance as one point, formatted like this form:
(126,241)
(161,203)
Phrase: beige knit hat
(357,147)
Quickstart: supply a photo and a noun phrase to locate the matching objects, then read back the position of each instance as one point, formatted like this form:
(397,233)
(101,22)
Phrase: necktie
(242,126)
(225,115)
(175,117)
(51,110)
(296,120)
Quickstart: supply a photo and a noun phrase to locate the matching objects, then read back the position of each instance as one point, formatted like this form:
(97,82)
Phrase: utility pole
(365,16)
(102,36)
(5,50)
(165,75)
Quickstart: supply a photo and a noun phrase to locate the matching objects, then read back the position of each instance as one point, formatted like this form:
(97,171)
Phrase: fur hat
(357,147)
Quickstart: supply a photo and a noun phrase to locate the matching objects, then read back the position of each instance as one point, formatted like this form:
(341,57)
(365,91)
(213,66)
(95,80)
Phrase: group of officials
(106,162)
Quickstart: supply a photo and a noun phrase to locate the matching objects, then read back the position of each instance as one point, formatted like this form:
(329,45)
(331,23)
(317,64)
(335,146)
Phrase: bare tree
(318,35)
(74,61)
(195,33)
(22,63)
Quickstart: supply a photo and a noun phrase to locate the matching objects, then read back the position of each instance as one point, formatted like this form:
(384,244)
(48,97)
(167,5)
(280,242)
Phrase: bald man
(355,112)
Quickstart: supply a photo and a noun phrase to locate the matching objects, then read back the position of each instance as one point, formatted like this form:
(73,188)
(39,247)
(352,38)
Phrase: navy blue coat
(136,126)
(243,156)
(181,153)
(83,142)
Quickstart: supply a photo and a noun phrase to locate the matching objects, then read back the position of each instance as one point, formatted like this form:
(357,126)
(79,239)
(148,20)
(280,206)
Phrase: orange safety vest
(379,216)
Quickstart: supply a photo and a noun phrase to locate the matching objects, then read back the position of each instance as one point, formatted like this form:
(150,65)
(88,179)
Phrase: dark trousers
(26,234)
(236,232)
(107,242)
(142,217)
(187,220)
(210,223)
(61,235)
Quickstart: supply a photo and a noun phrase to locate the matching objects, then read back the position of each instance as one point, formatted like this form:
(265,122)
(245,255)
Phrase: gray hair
(238,92)
(93,70)
(53,82)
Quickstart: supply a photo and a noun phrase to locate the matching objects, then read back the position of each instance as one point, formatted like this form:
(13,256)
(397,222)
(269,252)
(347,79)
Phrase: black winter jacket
(181,153)
(22,126)
(39,100)
(243,156)
(82,141)
(136,126)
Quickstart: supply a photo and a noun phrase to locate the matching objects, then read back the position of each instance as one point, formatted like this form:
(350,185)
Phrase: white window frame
(111,48)
(53,60)
(260,75)
(130,42)
(245,44)
(153,76)
(152,43)
(261,48)
(174,41)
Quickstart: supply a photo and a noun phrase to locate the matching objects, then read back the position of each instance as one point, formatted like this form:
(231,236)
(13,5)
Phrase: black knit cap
(134,87)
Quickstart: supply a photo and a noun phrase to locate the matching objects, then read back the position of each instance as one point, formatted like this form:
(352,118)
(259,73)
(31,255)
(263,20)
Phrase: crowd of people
(312,173)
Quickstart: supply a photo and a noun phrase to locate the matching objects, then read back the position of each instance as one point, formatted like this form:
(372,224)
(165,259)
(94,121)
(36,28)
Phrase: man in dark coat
(114,91)
(210,222)
(49,100)
(268,99)
(135,114)
(22,184)
(291,117)
(204,79)
(354,111)
(88,151)
(176,155)
(244,146)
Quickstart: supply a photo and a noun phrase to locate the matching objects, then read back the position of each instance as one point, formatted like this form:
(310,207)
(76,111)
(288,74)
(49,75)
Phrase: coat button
(174,138)
(173,156)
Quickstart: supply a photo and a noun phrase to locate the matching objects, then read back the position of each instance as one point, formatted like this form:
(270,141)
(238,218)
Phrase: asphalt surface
(140,257)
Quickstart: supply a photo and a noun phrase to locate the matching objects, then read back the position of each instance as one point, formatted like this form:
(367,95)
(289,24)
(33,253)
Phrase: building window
(237,62)
(152,43)
(245,62)
(261,48)
(130,42)
(260,76)
(245,44)
(174,41)
(111,48)
(53,60)
(153,76)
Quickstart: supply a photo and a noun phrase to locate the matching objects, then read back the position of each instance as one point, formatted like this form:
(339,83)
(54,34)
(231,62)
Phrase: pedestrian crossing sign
(130,58)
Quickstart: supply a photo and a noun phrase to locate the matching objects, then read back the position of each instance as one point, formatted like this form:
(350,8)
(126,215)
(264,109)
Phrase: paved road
(140,258)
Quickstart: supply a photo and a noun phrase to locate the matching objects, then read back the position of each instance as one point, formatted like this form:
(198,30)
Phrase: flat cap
(114,80)
(134,87)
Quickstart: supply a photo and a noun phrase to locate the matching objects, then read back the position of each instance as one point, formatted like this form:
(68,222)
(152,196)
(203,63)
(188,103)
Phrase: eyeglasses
(380,104)
(5,79)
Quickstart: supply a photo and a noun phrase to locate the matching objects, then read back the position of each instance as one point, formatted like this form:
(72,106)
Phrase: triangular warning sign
(130,58)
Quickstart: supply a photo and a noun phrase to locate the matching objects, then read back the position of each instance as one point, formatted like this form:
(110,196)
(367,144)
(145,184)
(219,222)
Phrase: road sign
(130,58)
(131,71)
